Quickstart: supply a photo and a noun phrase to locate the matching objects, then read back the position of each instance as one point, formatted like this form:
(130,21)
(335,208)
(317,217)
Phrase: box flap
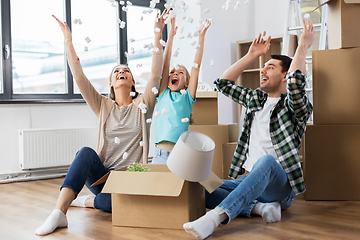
(352,1)
(212,183)
(144,183)
(101,180)
(346,1)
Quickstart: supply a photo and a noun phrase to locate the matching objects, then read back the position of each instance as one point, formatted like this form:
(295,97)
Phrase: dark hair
(112,92)
(285,61)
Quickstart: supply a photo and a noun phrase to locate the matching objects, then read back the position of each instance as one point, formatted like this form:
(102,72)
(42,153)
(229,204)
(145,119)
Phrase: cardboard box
(336,86)
(155,199)
(332,166)
(343,17)
(219,134)
(228,150)
(205,109)
(233,132)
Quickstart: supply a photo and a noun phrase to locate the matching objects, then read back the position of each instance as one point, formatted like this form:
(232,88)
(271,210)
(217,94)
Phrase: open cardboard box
(155,199)
(343,17)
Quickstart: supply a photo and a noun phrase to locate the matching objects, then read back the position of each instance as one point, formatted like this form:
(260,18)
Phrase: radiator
(47,148)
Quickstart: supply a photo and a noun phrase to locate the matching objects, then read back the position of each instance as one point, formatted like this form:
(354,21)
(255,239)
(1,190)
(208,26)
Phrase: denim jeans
(160,156)
(267,182)
(86,169)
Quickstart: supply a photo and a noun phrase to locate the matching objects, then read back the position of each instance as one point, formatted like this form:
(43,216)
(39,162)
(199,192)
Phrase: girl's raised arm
(194,76)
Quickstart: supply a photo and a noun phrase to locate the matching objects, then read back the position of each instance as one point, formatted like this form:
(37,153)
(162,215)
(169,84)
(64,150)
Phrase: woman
(122,130)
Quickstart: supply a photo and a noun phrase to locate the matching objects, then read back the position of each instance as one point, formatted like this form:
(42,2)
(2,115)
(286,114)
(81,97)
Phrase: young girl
(176,97)
(121,130)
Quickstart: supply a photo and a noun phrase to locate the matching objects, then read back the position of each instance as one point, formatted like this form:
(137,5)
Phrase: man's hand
(259,47)
(308,35)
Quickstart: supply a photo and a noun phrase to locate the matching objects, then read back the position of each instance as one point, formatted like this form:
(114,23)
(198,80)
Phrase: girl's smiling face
(178,79)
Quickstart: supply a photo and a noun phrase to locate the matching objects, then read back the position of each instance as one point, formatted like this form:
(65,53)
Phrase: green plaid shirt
(287,124)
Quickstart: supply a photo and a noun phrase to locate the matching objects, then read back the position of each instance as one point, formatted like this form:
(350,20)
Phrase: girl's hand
(65,29)
(204,28)
(259,47)
(174,28)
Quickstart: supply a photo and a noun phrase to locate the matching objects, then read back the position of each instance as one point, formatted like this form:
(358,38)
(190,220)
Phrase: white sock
(204,226)
(270,212)
(80,201)
(56,219)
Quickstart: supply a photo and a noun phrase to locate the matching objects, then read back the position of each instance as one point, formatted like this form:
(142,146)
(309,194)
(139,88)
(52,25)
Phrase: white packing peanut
(125,155)
(195,65)
(128,3)
(122,24)
(148,120)
(142,143)
(155,90)
(125,9)
(122,2)
(176,66)
(183,91)
(86,48)
(131,40)
(87,39)
(157,30)
(117,140)
(184,120)
(164,111)
(132,94)
(157,114)
(142,105)
(156,49)
(144,110)
(162,42)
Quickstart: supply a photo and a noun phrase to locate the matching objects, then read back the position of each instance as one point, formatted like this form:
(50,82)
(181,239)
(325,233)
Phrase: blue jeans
(267,182)
(160,156)
(86,169)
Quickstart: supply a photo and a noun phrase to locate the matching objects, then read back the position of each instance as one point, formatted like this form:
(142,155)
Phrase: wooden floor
(24,206)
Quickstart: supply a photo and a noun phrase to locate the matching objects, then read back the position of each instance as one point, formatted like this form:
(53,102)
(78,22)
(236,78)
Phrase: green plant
(137,167)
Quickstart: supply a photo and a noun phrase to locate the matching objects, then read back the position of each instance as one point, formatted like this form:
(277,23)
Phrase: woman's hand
(65,29)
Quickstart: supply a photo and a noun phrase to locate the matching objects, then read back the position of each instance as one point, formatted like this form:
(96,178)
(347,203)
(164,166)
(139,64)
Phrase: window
(36,69)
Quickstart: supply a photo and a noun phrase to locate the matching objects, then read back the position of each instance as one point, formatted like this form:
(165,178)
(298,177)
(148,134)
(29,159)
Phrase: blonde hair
(112,92)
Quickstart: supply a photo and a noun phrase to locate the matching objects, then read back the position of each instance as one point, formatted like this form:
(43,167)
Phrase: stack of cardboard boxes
(332,165)
(225,136)
(160,199)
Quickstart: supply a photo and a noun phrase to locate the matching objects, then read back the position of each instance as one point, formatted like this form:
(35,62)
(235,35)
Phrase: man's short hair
(285,61)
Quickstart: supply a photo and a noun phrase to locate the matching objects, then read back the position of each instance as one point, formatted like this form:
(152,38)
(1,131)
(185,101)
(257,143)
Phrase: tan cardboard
(219,134)
(331,164)
(233,132)
(205,109)
(343,19)
(156,199)
(336,86)
(228,150)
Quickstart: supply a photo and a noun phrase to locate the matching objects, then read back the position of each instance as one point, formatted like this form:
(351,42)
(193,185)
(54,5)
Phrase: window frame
(8,97)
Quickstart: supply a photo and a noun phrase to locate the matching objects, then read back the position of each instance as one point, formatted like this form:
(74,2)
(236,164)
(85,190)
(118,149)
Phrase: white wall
(227,28)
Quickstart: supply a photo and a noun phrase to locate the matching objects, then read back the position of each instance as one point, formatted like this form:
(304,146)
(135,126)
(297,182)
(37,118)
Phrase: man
(275,121)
